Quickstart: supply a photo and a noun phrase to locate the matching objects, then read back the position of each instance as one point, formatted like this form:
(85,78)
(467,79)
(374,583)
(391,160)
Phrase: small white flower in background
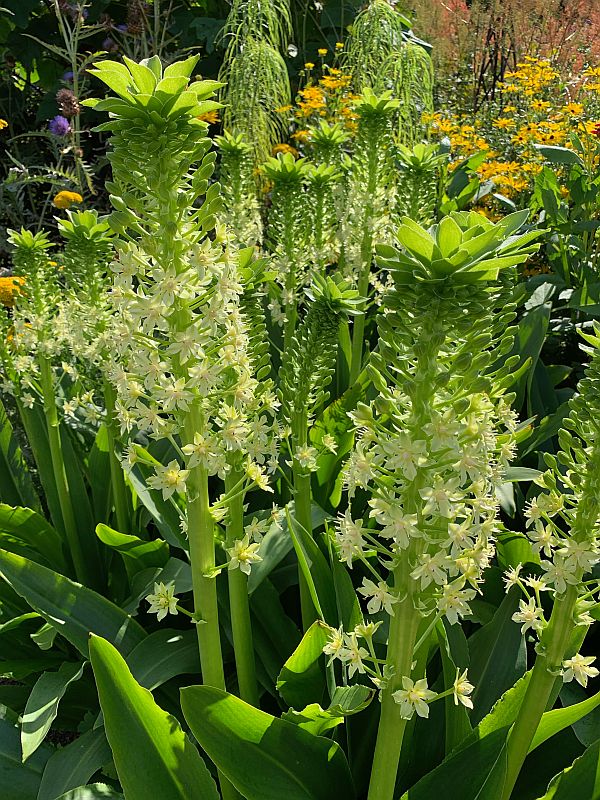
(163,601)
(306,456)
(380,596)
(329,443)
(258,476)
(169,479)
(537,584)
(349,538)
(543,540)
(256,529)
(353,654)
(431,568)
(579,667)
(580,554)
(413,697)
(335,644)
(366,630)
(559,573)
(462,689)
(243,554)
(441,497)
(530,615)
(454,602)
(201,451)
(405,454)
(28,400)
(512,576)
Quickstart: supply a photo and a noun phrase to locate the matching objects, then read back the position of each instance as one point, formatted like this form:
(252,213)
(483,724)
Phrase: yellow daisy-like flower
(212,117)
(339,45)
(10,287)
(282,147)
(66,199)
(573,108)
(322,51)
(3,124)
(503,123)
(309,65)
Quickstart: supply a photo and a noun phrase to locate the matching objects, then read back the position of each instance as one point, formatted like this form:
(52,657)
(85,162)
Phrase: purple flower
(68,76)
(59,126)
(122,28)
(110,45)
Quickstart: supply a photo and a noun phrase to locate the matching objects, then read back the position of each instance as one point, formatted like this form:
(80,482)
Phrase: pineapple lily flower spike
(431,449)
(181,340)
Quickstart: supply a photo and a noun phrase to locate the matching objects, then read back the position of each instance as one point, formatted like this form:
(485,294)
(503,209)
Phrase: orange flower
(66,199)
(212,117)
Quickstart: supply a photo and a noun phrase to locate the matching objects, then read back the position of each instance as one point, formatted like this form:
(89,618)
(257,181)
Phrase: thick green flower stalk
(35,356)
(370,189)
(183,372)
(288,237)
(563,524)
(87,253)
(241,211)
(306,371)
(87,256)
(418,184)
(323,185)
(431,451)
(252,406)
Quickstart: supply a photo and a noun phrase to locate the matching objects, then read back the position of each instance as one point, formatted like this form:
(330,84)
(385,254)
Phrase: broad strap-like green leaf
(581,781)
(497,657)
(475,772)
(301,680)
(153,756)
(73,765)
(42,705)
(558,719)
(16,486)
(316,572)
(265,758)
(74,610)
(163,655)
(22,528)
(137,553)
(346,701)
(18,781)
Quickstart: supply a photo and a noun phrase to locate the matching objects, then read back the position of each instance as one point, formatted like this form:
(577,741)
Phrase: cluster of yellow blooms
(328,97)
(535,108)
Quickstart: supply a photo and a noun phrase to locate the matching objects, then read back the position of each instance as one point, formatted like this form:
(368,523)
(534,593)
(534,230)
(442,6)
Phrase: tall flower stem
(117,478)
(82,571)
(404,625)
(202,560)
(239,604)
(403,632)
(303,509)
(366,256)
(553,646)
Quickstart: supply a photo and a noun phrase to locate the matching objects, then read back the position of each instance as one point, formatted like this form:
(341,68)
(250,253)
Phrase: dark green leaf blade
(265,758)
(153,756)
